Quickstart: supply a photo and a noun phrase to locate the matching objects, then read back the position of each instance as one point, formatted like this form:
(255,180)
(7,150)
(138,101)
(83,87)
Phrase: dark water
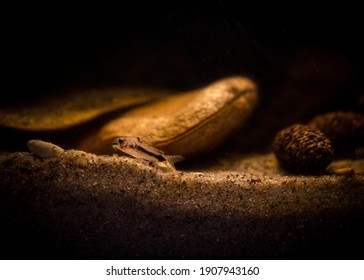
(181,46)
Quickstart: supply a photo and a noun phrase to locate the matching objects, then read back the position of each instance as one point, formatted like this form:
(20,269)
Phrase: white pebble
(44,149)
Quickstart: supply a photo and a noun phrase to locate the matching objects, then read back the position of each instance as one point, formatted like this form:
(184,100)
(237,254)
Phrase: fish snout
(117,143)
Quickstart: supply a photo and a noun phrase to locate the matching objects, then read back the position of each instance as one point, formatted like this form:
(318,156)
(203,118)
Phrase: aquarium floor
(82,206)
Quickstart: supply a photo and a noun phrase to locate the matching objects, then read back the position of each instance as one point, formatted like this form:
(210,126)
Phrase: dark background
(179,46)
(302,70)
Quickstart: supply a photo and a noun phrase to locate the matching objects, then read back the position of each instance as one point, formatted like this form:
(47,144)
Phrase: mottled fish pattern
(137,147)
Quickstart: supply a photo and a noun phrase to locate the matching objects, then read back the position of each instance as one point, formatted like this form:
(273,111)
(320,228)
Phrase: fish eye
(118,141)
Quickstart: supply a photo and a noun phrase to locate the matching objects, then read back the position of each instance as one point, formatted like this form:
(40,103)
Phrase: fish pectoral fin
(172,159)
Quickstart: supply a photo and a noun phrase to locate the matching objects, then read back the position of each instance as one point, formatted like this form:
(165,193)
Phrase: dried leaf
(185,124)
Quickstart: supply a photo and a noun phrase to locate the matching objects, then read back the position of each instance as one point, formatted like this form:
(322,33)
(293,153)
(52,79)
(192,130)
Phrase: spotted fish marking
(137,147)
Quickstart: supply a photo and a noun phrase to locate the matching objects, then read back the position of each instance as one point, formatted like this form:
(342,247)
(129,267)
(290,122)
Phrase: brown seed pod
(67,109)
(303,149)
(344,129)
(188,124)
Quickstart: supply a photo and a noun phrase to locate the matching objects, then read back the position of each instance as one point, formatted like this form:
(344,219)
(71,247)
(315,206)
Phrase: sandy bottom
(83,206)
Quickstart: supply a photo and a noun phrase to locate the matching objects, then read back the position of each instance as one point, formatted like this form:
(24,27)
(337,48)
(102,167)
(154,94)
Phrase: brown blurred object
(187,124)
(344,129)
(313,81)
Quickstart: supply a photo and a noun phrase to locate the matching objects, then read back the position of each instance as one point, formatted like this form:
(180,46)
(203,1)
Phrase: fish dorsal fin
(147,138)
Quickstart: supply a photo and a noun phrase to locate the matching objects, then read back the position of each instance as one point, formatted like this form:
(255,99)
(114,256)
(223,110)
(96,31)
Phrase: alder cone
(303,149)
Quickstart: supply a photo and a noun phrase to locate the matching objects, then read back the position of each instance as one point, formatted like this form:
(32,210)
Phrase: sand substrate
(83,206)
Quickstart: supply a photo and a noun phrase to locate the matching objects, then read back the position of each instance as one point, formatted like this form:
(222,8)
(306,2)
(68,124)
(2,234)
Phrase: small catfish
(137,147)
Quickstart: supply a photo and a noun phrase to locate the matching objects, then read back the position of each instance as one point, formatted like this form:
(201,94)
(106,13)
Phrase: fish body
(137,147)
